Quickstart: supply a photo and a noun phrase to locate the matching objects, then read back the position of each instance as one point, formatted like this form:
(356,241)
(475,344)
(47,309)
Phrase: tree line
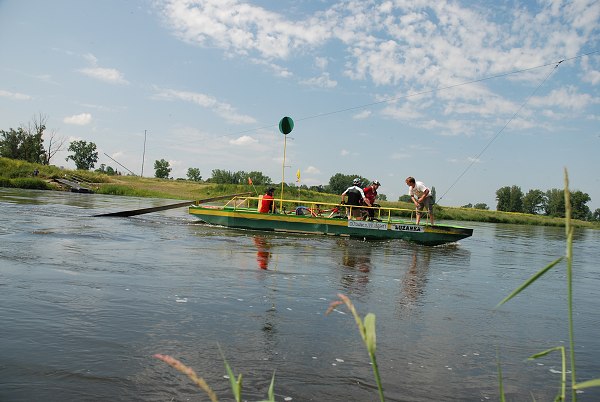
(27,143)
(549,203)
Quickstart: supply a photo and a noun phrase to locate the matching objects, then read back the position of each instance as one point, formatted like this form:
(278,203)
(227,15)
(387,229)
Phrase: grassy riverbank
(19,174)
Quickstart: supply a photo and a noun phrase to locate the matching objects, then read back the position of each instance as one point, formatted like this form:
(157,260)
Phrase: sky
(466,96)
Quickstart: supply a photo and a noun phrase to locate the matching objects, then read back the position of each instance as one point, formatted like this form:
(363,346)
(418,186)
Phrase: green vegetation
(549,203)
(135,186)
(84,154)
(162,169)
(569,274)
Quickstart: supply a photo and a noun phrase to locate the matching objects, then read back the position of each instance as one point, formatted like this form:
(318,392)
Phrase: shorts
(427,202)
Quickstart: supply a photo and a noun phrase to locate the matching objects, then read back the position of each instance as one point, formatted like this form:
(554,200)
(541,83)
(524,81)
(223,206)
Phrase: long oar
(170,206)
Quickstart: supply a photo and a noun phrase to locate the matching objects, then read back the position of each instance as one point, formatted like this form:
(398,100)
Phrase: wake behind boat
(298,216)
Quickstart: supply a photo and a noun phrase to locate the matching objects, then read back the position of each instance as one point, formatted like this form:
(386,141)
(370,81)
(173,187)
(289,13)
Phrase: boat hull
(394,229)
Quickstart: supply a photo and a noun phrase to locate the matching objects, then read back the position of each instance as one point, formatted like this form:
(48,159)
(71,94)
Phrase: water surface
(86,301)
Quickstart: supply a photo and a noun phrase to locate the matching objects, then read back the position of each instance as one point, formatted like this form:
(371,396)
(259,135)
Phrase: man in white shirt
(421,196)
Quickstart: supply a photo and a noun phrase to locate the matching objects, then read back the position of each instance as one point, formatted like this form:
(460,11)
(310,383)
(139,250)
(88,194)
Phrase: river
(86,301)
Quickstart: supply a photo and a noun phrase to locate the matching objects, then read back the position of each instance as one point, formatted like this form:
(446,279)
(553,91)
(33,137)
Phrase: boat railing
(324,209)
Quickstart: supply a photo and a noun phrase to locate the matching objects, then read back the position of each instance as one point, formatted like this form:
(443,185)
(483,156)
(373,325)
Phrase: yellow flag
(298,176)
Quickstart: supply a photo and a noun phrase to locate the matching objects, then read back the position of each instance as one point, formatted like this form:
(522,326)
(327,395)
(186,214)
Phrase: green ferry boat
(297,216)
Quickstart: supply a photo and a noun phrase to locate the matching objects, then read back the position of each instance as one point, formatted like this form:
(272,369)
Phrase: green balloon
(286,125)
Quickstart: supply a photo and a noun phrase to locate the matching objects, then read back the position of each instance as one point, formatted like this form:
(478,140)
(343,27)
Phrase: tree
(55,143)
(23,144)
(107,170)
(534,202)
(555,203)
(382,197)
(338,183)
(469,205)
(578,208)
(405,198)
(481,205)
(258,178)
(162,170)
(510,199)
(84,154)
(193,174)
(596,215)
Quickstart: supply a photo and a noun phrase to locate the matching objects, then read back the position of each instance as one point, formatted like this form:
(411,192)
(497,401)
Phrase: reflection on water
(262,251)
(356,264)
(414,280)
(86,301)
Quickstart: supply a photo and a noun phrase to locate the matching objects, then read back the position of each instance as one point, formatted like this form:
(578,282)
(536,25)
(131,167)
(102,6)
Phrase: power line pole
(144,154)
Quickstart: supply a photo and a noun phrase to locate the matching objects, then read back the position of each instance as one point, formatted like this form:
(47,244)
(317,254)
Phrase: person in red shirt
(266,203)
(371,194)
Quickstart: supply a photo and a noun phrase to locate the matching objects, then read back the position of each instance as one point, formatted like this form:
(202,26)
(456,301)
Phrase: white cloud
(14,95)
(566,97)
(322,81)
(362,115)
(243,140)
(109,75)
(222,109)
(79,119)
(312,170)
(344,152)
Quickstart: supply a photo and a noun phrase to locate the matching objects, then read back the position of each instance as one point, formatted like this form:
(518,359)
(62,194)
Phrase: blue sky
(383,89)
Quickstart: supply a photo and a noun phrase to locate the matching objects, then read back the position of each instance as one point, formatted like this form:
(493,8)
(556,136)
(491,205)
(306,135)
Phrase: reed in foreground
(236,383)
(568,258)
(367,332)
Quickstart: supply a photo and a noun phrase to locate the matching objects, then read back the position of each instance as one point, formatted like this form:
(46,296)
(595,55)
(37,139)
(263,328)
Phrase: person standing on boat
(355,195)
(371,195)
(419,193)
(266,204)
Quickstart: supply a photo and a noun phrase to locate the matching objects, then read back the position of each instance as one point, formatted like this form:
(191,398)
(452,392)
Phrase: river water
(86,301)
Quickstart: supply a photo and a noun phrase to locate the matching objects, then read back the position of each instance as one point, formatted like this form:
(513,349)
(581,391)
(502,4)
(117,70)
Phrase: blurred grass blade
(545,352)
(179,366)
(370,334)
(588,384)
(500,380)
(563,377)
(236,385)
(271,392)
(530,281)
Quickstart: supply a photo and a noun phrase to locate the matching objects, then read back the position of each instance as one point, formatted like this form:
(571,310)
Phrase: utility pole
(144,154)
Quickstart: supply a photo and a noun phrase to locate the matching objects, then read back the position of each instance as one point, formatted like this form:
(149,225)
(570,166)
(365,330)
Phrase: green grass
(134,186)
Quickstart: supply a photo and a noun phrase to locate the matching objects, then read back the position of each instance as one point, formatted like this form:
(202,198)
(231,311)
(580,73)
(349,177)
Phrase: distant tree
(469,205)
(405,198)
(579,209)
(107,170)
(220,176)
(481,205)
(433,194)
(24,143)
(55,145)
(84,154)
(516,199)
(339,182)
(382,197)
(596,214)
(555,203)
(258,178)
(534,202)
(510,199)
(193,174)
(37,126)
(319,189)
(162,169)
(503,198)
